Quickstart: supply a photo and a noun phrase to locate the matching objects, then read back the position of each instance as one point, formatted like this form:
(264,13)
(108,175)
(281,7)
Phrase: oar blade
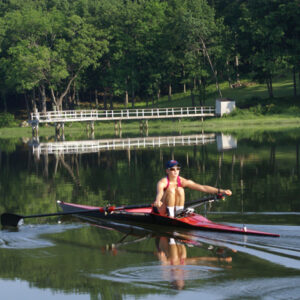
(8,219)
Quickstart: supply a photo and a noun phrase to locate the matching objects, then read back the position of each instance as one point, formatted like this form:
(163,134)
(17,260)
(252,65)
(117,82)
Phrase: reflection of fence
(89,146)
(126,114)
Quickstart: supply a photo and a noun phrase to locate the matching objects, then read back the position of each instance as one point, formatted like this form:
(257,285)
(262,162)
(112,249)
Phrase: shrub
(292,110)
(257,110)
(240,114)
(237,112)
(271,109)
(6,119)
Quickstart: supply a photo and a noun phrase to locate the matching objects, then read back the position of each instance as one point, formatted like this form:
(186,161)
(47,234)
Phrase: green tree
(49,50)
(203,44)
(264,36)
(289,14)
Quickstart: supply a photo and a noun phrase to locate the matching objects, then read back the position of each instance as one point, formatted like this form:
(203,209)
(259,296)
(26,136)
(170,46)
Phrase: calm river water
(65,258)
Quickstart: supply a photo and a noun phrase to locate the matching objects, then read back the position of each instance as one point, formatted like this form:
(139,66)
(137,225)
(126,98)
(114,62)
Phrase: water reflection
(263,172)
(85,258)
(93,146)
(177,263)
(172,253)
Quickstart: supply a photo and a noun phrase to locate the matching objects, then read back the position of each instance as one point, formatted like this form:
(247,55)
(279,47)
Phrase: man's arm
(203,188)
(159,193)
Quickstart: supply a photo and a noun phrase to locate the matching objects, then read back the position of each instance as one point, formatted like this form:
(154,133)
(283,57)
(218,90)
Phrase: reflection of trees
(70,170)
(46,171)
(130,176)
(272,157)
(297,159)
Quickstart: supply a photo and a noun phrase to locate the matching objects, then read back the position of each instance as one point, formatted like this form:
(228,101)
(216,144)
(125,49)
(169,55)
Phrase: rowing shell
(146,215)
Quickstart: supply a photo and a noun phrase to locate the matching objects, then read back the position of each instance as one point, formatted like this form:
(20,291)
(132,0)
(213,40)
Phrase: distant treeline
(54,53)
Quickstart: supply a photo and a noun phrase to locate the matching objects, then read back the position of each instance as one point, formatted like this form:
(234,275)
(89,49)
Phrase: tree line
(53,53)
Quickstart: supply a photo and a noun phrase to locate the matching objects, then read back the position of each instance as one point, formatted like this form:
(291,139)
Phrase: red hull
(146,215)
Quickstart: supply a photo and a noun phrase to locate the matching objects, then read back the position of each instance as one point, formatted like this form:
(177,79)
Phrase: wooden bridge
(145,114)
(92,146)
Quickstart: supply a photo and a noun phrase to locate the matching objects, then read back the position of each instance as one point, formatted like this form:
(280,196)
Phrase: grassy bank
(248,94)
(229,125)
(255,110)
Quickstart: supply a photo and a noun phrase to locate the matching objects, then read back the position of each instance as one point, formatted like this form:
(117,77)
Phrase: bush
(258,109)
(272,109)
(6,119)
(236,112)
(240,114)
(262,110)
(292,110)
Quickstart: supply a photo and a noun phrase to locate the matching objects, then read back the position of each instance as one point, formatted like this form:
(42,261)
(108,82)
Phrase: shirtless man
(170,195)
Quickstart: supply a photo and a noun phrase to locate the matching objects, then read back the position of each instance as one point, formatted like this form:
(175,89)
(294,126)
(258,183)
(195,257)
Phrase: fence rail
(126,114)
(90,146)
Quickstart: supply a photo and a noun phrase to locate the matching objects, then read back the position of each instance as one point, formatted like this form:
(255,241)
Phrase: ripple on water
(284,250)
(152,274)
(262,288)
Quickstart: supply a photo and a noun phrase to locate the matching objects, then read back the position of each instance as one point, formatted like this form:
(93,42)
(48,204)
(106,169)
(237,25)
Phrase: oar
(191,204)
(198,202)
(195,203)
(8,219)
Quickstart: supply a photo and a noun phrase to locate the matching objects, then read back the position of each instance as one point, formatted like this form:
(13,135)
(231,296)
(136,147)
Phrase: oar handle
(201,201)
(221,196)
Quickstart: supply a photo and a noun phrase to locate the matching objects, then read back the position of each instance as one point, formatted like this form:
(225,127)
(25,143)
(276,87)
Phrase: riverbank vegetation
(111,53)
(254,110)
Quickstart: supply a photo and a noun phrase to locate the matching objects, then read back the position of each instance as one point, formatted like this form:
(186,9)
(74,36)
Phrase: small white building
(224,106)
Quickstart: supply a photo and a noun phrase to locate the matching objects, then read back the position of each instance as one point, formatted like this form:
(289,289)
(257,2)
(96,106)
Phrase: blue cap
(172,163)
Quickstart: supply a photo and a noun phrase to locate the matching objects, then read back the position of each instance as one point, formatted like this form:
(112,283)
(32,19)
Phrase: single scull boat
(145,214)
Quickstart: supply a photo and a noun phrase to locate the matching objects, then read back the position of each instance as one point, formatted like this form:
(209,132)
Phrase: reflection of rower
(172,252)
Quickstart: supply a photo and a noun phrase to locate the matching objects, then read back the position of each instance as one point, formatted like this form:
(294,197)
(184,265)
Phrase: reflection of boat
(175,250)
(145,215)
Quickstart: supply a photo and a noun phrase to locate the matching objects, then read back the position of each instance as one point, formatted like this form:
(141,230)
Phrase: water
(65,258)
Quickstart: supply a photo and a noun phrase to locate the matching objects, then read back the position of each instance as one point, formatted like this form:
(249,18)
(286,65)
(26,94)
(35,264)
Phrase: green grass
(282,90)
(165,127)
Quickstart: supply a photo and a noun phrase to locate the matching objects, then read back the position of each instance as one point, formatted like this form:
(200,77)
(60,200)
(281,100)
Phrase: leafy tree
(121,49)
(48,50)
(289,15)
(264,35)
(201,31)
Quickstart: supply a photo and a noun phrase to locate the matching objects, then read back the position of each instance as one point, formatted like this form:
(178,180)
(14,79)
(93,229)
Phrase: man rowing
(170,197)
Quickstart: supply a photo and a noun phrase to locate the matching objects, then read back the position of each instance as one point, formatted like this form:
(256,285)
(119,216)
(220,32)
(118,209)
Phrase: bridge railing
(102,115)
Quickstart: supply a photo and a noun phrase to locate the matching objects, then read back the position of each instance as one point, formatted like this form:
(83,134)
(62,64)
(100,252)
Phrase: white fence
(126,114)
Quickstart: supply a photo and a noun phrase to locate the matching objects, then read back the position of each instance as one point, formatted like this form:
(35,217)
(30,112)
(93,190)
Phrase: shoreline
(227,124)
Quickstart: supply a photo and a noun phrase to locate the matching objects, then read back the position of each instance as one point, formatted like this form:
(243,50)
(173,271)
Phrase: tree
(202,43)
(49,50)
(262,34)
(79,47)
(289,14)
(267,35)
